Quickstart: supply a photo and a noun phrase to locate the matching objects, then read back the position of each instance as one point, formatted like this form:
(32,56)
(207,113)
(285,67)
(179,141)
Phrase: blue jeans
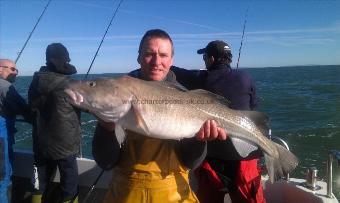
(5,164)
(68,176)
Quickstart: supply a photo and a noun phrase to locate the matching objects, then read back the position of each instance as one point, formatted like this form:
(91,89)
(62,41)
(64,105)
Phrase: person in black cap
(56,126)
(237,175)
(224,170)
(216,53)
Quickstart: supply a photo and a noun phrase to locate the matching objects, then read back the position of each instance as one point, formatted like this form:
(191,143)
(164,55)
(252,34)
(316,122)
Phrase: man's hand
(210,131)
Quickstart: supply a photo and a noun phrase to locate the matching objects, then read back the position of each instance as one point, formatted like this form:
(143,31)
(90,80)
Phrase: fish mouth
(75,97)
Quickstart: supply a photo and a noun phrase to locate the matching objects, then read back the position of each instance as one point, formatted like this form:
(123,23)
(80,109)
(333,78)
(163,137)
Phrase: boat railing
(333,154)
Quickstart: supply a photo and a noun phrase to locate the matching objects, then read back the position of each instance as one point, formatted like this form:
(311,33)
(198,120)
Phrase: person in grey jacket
(56,127)
(11,105)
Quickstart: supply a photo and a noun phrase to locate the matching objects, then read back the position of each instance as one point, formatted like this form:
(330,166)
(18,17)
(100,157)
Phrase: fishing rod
(88,71)
(101,42)
(92,187)
(29,37)
(244,28)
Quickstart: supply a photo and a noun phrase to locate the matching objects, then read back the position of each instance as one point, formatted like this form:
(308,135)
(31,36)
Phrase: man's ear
(212,58)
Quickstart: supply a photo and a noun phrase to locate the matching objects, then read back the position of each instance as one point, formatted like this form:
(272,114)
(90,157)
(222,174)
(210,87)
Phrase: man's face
(155,58)
(8,70)
(208,60)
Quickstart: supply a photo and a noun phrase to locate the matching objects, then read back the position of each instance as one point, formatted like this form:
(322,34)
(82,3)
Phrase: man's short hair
(155,33)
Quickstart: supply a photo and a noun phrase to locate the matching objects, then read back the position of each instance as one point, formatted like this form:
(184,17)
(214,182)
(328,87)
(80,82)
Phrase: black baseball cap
(57,51)
(215,48)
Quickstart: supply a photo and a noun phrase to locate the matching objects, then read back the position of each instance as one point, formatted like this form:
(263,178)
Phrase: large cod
(167,111)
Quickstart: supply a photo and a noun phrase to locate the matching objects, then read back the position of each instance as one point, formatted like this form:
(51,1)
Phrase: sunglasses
(11,68)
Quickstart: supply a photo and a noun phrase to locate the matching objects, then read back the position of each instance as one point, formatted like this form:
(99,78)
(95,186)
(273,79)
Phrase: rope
(88,71)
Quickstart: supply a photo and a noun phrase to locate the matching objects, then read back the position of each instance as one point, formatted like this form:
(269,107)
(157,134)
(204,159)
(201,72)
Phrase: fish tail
(281,166)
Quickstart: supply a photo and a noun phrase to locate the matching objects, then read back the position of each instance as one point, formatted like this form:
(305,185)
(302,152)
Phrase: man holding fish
(157,142)
(150,169)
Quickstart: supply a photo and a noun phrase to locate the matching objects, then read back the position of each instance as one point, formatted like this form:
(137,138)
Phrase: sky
(277,32)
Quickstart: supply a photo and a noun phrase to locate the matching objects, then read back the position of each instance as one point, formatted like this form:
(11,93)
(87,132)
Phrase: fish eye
(92,84)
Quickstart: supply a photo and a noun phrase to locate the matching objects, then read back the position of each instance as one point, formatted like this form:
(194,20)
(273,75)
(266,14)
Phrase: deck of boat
(22,192)
(88,172)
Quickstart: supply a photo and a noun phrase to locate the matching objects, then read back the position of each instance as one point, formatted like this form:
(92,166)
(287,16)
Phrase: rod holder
(311,178)
(333,154)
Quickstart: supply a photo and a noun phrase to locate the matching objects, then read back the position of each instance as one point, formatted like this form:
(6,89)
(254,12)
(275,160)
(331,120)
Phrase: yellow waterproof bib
(149,171)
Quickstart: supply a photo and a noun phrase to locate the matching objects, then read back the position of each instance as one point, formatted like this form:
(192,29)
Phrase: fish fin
(284,164)
(120,134)
(270,167)
(212,96)
(140,122)
(287,160)
(260,119)
(242,147)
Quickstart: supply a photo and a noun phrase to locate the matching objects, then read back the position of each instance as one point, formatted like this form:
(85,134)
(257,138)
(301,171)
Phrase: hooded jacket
(56,127)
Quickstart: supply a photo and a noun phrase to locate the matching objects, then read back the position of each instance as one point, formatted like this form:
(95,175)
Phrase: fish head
(106,99)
